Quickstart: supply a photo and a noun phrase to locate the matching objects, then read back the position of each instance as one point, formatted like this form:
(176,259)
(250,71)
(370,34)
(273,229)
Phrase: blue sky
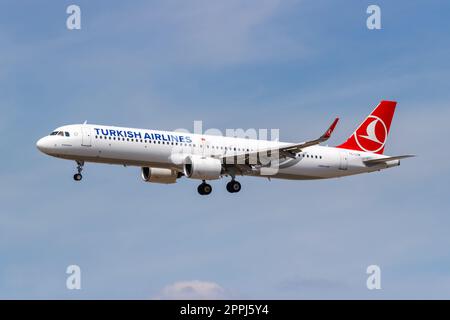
(292,65)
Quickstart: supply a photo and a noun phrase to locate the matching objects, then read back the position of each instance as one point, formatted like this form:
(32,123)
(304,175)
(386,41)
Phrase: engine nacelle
(202,168)
(159,175)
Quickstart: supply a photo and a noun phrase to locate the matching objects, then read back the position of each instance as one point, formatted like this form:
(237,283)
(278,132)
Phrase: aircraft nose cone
(42,145)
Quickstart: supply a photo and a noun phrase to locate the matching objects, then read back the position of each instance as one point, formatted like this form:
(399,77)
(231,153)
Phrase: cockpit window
(60,133)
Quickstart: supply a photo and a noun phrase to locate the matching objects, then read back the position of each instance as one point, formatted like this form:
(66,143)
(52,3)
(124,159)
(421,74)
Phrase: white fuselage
(165,149)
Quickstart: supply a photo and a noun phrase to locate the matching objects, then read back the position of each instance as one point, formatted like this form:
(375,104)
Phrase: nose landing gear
(78,176)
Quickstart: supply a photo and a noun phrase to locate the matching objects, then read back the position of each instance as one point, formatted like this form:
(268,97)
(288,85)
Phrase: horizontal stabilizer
(374,162)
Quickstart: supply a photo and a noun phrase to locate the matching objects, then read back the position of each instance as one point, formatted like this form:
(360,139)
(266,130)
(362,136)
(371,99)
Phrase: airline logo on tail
(372,134)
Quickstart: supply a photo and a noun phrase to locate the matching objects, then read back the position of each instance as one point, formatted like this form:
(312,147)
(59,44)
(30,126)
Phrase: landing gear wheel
(204,189)
(78,176)
(233,186)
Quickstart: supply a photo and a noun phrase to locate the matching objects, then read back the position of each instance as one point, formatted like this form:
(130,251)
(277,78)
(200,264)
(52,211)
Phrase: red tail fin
(371,135)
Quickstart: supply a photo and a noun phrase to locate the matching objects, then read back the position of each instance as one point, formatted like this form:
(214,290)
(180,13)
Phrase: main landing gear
(233,186)
(78,176)
(204,188)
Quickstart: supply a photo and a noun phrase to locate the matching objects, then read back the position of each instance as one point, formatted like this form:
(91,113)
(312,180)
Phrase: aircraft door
(86,136)
(343,161)
(204,145)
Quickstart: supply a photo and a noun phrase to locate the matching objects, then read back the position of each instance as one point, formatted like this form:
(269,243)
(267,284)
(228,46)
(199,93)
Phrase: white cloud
(195,289)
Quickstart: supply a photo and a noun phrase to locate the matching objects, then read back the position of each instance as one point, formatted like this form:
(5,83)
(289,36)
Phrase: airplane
(165,156)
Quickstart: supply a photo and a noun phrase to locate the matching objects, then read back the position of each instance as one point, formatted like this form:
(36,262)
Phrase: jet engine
(196,167)
(159,175)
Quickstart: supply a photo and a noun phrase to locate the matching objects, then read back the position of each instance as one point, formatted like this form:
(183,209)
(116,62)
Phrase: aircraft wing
(295,148)
(374,162)
(284,151)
